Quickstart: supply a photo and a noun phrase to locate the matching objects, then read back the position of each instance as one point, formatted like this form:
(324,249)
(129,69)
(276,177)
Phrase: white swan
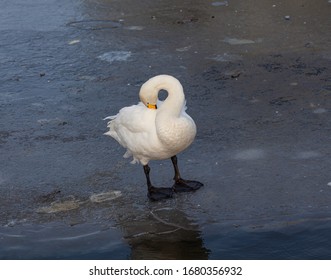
(155,130)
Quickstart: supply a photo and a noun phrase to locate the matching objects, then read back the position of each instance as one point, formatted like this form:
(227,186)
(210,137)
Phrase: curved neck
(175,100)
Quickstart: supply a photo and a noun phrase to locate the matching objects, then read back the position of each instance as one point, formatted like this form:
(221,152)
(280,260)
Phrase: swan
(156,130)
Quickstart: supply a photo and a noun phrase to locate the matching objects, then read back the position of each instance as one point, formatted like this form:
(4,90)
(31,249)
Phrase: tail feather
(111,132)
(127,154)
(110,118)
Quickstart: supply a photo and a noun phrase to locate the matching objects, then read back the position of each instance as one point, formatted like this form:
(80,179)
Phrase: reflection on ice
(166,234)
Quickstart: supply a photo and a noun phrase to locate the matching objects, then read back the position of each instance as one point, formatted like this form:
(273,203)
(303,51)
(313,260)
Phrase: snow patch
(308,155)
(115,56)
(250,154)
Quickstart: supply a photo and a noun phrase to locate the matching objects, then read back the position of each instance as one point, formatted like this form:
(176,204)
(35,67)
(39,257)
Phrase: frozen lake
(257,83)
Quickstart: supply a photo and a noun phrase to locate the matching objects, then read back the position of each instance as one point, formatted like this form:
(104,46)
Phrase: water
(54,241)
(305,240)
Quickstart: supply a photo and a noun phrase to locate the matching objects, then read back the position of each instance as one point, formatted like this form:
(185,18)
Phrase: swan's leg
(182,185)
(156,194)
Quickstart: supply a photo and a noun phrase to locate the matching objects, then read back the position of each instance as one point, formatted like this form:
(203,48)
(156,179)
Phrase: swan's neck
(175,100)
(174,129)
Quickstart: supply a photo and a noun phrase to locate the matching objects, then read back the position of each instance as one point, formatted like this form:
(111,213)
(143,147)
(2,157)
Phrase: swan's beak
(151,106)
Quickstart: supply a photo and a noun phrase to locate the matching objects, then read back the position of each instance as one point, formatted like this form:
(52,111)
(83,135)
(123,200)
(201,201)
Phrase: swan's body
(149,134)
(154,134)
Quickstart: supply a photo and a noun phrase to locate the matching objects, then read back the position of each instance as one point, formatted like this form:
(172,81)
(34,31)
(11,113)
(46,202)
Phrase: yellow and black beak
(151,106)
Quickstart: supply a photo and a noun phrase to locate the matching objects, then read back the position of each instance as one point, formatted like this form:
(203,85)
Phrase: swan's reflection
(166,233)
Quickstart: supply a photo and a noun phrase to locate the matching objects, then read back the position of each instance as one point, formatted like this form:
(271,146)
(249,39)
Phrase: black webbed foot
(182,185)
(156,194)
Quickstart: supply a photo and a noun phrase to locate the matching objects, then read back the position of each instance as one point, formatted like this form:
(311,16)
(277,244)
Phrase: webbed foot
(182,185)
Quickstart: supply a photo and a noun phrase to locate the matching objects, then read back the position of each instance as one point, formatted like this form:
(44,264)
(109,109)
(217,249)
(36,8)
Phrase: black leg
(156,194)
(182,185)
(176,169)
(147,169)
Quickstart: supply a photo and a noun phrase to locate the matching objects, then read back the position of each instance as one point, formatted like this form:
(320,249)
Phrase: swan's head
(148,95)
(149,90)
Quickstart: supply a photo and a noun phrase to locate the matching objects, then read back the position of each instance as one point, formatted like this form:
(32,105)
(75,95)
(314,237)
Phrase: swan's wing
(131,122)
(134,129)
(137,118)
